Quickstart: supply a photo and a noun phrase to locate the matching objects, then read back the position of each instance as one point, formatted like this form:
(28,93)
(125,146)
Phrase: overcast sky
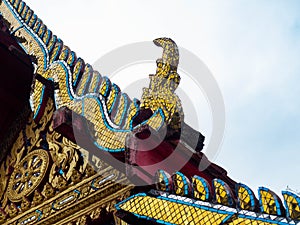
(251,47)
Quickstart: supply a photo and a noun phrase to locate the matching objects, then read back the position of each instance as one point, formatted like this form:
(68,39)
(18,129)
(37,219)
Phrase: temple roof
(80,118)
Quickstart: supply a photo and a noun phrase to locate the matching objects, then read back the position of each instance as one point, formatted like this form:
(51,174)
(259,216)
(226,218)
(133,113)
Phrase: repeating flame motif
(242,199)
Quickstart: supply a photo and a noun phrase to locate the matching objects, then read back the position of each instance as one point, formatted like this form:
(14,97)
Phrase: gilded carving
(61,184)
(3,216)
(66,181)
(48,190)
(12,210)
(25,204)
(90,171)
(82,220)
(95,214)
(37,198)
(29,219)
(3,178)
(76,176)
(27,175)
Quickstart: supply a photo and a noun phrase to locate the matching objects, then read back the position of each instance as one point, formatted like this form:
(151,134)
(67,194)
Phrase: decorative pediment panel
(46,178)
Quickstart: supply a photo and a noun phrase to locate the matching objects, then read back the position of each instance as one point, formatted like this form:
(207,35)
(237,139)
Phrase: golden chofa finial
(163,84)
(167,65)
(170,54)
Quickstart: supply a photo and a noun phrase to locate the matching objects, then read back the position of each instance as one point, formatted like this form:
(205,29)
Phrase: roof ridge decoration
(177,196)
(84,91)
